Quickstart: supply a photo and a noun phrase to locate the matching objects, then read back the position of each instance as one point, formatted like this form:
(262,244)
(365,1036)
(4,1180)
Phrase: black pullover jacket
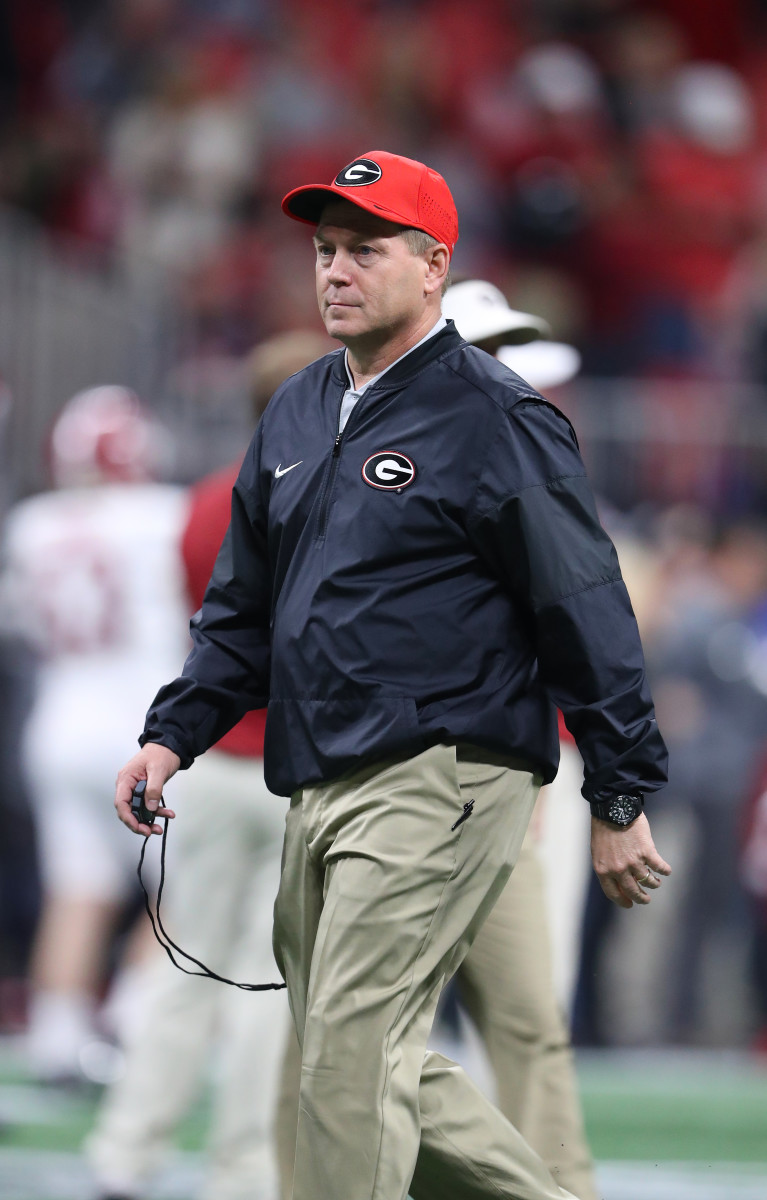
(435,573)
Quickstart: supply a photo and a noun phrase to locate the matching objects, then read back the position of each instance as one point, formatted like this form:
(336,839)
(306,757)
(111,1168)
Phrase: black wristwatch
(620,810)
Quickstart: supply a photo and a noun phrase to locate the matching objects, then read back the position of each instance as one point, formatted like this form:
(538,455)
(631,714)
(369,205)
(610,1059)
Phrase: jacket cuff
(606,794)
(165,740)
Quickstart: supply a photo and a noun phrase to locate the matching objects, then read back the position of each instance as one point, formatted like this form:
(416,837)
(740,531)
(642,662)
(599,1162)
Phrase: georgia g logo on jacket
(388,470)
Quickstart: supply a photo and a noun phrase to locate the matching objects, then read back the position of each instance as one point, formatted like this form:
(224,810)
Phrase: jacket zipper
(322,516)
(322,520)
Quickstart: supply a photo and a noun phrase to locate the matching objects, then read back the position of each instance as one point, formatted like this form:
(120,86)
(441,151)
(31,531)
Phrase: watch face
(623,810)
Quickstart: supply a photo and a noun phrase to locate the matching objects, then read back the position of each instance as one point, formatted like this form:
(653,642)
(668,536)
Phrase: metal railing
(73,316)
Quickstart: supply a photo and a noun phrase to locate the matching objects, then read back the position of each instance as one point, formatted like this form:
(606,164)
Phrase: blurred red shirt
(208,521)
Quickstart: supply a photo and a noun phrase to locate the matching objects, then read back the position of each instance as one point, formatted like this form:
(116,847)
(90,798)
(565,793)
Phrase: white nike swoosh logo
(279,472)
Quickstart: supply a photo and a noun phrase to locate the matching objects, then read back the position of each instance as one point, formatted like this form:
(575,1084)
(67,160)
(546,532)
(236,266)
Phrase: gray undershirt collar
(351,396)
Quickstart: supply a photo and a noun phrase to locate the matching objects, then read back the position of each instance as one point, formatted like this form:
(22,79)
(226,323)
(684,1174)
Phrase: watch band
(618,810)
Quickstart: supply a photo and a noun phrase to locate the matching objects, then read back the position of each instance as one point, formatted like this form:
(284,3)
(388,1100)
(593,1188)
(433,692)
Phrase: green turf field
(676,1107)
(673,1126)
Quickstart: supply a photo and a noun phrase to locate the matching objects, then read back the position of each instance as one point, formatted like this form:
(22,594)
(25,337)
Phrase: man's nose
(339,271)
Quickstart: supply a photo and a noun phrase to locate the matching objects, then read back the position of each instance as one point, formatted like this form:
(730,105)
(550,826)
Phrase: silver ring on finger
(645,877)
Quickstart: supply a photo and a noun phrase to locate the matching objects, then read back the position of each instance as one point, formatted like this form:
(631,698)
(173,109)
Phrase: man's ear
(438,265)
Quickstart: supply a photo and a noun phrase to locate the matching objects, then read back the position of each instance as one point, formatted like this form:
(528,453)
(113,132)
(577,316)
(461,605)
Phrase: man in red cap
(414,579)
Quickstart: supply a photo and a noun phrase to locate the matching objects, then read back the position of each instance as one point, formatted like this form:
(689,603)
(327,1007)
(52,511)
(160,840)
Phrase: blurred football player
(92,581)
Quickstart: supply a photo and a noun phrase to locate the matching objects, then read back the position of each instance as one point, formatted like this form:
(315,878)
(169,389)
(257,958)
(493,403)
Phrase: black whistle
(143,815)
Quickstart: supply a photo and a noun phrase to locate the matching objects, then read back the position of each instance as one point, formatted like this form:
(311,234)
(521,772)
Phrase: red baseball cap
(392,187)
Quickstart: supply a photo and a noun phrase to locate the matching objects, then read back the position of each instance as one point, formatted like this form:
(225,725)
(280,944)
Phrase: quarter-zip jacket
(435,573)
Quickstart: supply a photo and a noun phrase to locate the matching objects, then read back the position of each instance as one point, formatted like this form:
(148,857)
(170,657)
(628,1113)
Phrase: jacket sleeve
(537,527)
(227,671)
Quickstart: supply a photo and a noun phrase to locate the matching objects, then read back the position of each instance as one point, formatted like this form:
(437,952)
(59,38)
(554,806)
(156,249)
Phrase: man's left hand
(626,861)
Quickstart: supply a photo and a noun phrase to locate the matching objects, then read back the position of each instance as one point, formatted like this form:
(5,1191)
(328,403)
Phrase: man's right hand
(157,764)
(626,861)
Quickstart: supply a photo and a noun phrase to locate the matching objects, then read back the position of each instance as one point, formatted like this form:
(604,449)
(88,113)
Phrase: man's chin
(341,322)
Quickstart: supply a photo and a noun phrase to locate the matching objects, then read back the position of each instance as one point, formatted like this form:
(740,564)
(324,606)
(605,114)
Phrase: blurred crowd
(609,164)
(609,157)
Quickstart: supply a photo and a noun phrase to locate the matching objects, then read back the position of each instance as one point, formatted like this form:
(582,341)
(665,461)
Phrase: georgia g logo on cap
(388,470)
(359,173)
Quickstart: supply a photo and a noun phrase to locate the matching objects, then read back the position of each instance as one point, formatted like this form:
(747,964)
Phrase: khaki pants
(505,984)
(381,895)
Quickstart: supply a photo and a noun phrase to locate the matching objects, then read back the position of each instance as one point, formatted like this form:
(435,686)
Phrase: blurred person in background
(699,171)
(218,906)
(183,154)
(707,663)
(665,570)
(523,342)
(516,981)
(91,582)
(703,628)
(506,983)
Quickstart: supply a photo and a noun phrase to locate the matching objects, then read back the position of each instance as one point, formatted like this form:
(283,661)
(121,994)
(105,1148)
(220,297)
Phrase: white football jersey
(93,578)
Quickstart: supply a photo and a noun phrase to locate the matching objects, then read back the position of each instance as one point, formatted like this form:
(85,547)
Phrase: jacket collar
(435,347)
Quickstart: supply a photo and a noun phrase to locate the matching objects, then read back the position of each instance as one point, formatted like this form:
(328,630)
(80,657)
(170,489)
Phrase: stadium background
(609,162)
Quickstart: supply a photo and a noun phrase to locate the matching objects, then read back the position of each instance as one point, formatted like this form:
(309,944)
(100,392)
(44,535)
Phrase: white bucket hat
(481,311)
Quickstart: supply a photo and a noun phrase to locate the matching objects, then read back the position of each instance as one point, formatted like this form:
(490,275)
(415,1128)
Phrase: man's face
(369,282)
